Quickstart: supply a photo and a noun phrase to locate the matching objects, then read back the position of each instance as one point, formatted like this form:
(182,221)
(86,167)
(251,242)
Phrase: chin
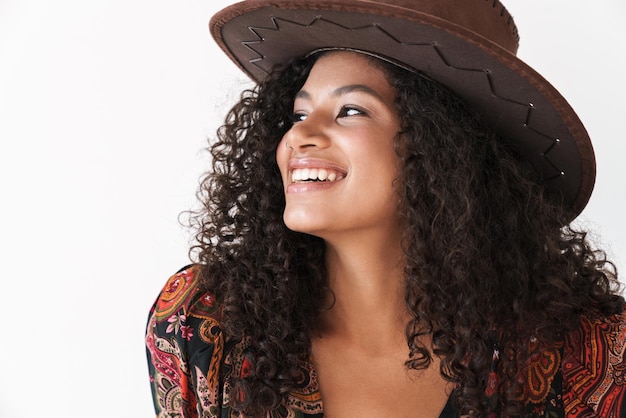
(303,223)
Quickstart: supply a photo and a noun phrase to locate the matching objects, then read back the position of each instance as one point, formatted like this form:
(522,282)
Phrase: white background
(105,106)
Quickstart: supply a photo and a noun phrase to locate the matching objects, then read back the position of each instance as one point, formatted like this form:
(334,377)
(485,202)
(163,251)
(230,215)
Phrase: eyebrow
(340,91)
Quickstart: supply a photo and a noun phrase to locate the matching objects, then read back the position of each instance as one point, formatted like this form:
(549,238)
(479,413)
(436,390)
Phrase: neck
(368,284)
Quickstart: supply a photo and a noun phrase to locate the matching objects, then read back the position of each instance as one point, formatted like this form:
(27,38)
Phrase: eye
(298,117)
(347,111)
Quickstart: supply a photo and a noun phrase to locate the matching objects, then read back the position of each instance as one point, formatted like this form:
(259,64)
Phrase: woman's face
(338,161)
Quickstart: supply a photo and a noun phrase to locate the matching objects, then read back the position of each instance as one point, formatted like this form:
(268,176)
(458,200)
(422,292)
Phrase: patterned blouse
(190,360)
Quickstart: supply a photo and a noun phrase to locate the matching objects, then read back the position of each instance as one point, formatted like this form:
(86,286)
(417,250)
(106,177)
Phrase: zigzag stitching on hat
(276,27)
(529,106)
(260,39)
(554,143)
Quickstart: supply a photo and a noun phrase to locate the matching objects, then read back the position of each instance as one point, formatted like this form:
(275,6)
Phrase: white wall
(104,110)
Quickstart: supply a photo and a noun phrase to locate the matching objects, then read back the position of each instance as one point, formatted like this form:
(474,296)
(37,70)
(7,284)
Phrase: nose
(308,133)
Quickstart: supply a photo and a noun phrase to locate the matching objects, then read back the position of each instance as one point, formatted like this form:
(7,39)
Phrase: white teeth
(314,174)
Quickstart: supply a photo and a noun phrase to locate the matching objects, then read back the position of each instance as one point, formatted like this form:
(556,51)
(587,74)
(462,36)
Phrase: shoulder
(185,346)
(185,314)
(183,293)
(594,367)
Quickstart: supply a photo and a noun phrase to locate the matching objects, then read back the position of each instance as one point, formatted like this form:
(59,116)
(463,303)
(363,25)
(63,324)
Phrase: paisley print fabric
(594,369)
(190,360)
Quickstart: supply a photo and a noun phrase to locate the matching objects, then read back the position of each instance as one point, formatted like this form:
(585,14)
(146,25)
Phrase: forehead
(342,68)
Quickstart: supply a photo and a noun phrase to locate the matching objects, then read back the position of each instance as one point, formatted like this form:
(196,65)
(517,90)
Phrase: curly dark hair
(487,256)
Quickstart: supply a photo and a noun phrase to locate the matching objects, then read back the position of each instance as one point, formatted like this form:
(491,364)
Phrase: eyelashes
(345,112)
(298,117)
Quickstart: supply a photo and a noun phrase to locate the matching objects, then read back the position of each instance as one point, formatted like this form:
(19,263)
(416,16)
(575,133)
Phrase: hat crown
(488,18)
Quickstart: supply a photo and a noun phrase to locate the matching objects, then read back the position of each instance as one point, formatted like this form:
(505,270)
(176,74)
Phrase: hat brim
(524,108)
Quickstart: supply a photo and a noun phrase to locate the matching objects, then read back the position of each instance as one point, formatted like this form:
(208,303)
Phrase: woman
(385,229)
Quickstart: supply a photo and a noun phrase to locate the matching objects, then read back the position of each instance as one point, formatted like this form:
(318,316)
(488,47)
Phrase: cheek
(381,159)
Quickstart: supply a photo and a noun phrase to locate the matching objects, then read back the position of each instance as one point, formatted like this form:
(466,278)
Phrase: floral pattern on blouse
(190,360)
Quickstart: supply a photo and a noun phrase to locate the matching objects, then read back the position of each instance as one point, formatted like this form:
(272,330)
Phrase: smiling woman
(386,228)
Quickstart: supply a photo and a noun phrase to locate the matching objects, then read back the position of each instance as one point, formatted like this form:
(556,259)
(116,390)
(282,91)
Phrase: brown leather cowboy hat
(467,45)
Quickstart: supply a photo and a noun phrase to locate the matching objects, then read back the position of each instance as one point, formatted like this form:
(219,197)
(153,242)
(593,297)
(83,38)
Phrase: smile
(302,175)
